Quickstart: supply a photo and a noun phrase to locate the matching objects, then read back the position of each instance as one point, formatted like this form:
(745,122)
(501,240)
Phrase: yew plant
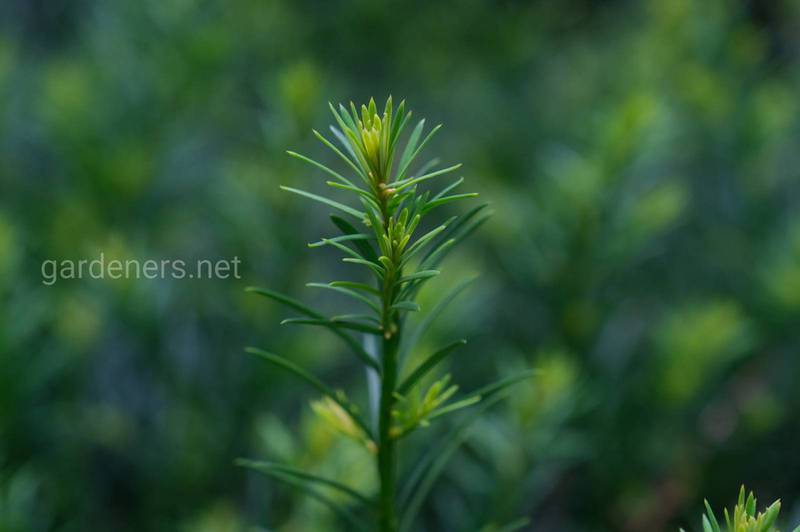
(744,517)
(380,230)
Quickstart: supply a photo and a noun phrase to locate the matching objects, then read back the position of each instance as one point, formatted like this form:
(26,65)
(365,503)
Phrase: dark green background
(642,159)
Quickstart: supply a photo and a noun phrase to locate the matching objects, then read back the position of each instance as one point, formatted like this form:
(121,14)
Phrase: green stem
(386,447)
(387,459)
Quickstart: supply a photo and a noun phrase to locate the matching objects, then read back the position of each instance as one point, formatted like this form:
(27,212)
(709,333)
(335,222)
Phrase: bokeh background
(642,159)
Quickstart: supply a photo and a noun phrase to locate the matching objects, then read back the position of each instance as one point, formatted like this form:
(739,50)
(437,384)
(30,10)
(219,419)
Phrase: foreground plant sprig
(744,517)
(383,234)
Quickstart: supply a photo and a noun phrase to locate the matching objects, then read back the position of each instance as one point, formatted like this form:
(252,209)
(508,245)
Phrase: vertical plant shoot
(380,230)
(744,517)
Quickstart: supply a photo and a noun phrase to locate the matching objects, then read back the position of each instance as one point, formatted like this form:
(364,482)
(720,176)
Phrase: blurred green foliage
(642,159)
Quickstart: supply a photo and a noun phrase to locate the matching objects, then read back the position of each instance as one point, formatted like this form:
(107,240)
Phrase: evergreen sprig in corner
(381,231)
(744,517)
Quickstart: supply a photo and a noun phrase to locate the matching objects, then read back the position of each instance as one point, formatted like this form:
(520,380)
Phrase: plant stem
(387,460)
(386,446)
